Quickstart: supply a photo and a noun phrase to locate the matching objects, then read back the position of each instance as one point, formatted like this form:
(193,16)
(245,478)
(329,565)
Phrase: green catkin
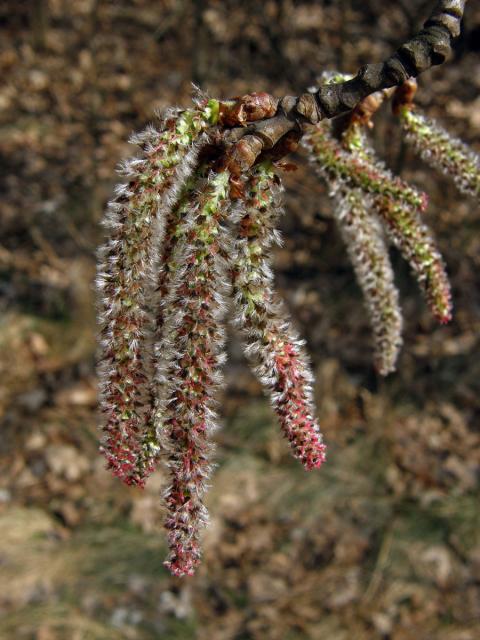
(364,238)
(358,171)
(365,241)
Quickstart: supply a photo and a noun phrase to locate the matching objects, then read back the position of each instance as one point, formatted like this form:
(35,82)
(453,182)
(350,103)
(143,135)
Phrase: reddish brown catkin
(271,343)
(135,221)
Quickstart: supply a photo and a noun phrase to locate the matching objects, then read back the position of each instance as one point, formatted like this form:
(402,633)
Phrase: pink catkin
(292,404)
(271,343)
(125,317)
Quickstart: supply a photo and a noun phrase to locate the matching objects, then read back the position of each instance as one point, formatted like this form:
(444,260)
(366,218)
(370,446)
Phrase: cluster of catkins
(374,207)
(189,244)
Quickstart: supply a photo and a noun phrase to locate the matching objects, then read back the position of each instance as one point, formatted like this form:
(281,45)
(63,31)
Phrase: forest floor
(384,541)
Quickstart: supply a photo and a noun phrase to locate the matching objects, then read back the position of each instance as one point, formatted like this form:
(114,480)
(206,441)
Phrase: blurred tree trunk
(39,22)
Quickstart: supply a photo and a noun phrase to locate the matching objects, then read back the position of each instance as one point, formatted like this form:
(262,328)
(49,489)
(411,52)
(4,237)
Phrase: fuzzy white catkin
(364,239)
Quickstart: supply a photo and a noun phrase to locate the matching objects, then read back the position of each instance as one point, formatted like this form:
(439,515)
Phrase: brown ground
(384,541)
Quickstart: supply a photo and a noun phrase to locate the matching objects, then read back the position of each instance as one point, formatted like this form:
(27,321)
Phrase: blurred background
(384,541)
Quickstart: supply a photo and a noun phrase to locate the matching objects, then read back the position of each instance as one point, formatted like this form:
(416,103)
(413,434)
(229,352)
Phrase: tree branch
(430,47)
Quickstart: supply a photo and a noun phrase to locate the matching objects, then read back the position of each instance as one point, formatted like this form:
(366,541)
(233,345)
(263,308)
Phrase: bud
(248,108)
